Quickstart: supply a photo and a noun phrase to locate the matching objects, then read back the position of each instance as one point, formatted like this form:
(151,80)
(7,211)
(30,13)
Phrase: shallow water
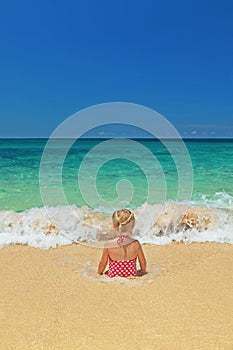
(88,270)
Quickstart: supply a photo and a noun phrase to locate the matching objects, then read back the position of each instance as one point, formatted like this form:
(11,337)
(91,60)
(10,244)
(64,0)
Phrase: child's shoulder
(136,242)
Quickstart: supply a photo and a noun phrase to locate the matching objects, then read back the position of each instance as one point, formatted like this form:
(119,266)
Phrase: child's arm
(142,260)
(103,261)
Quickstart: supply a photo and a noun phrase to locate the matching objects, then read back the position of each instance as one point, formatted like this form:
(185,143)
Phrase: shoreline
(53,299)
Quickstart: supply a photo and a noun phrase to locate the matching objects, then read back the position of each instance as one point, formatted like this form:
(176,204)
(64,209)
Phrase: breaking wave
(202,219)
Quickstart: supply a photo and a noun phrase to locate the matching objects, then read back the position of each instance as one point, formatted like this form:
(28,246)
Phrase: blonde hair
(123,220)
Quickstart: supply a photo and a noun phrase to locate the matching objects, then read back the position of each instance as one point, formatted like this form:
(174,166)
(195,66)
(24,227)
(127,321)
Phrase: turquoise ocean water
(211,160)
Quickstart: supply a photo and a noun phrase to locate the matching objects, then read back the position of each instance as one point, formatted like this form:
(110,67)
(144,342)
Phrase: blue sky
(58,57)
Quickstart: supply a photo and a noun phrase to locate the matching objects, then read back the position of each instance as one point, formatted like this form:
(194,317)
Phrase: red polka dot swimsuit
(122,268)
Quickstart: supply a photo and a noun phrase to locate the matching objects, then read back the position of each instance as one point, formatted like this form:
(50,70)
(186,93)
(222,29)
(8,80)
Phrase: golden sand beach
(55,300)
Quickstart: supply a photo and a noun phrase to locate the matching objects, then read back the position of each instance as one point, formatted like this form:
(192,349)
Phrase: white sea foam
(155,224)
(220,200)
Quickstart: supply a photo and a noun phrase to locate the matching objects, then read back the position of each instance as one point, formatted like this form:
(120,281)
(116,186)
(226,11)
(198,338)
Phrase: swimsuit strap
(120,239)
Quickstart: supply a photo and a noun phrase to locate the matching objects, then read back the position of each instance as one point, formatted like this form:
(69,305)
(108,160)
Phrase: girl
(123,251)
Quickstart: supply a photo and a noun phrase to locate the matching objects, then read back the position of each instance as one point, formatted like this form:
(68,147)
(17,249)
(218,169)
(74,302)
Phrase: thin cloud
(206,130)
(208,126)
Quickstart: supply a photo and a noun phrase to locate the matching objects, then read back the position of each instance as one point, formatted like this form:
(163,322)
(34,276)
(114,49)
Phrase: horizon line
(119,137)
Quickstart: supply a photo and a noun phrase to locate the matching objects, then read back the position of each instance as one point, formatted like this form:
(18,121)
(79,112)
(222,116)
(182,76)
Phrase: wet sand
(54,299)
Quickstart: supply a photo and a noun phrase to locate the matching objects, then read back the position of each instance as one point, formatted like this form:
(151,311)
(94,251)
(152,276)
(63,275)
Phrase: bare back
(127,251)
